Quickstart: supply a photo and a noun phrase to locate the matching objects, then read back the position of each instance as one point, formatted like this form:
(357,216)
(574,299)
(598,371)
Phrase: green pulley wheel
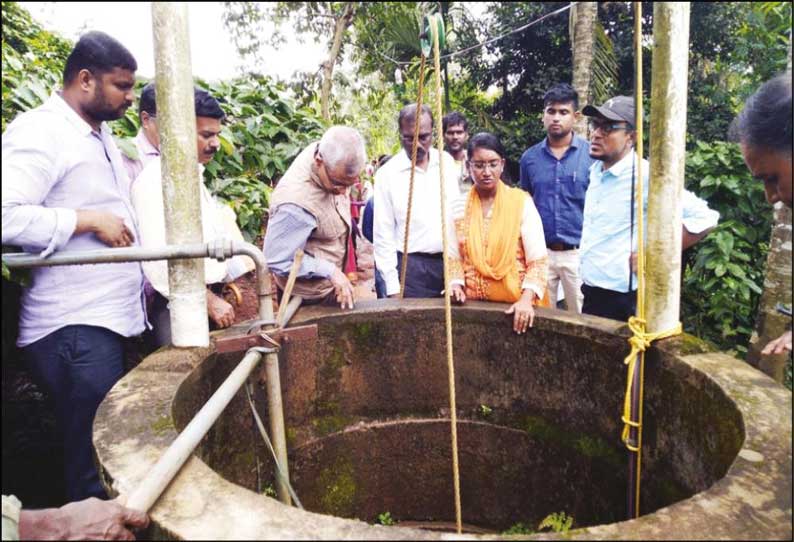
(432,24)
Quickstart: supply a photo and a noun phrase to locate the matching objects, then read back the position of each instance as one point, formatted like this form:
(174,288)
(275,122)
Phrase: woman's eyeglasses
(480,166)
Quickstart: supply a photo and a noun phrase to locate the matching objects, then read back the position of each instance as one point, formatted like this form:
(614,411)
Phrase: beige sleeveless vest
(301,186)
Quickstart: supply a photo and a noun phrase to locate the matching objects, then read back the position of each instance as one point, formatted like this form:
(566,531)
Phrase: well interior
(366,410)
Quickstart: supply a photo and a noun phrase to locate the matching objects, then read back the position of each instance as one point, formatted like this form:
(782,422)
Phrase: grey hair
(343,145)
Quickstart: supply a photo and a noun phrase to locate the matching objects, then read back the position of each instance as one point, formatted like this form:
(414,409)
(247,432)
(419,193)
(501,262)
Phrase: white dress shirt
(146,152)
(217,221)
(391,207)
(55,164)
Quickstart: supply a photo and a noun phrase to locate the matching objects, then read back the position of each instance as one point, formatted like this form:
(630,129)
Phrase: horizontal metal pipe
(220,250)
(108,255)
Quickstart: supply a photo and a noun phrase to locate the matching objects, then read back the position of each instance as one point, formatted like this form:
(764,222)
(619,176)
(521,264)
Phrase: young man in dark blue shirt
(556,173)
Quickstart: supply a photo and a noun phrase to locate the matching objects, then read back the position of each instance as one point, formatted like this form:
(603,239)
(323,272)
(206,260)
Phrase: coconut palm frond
(604,67)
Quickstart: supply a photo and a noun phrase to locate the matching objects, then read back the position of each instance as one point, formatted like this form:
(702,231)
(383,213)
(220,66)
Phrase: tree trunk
(770,324)
(582,29)
(342,23)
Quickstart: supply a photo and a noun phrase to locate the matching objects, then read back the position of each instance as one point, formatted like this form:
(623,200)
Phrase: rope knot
(639,341)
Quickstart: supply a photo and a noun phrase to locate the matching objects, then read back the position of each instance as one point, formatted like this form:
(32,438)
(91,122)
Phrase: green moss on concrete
(369,336)
(339,488)
(597,448)
(326,425)
(588,445)
(687,345)
(292,435)
(162,424)
(243,461)
(670,492)
(334,362)
(542,429)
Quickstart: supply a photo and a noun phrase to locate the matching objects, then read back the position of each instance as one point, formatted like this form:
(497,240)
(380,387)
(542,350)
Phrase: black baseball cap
(619,108)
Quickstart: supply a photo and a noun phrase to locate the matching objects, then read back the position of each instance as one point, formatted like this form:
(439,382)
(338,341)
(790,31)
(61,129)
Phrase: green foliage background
(723,274)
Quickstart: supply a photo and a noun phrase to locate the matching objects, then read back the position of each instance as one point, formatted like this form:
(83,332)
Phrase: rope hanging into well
(414,145)
(640,339)
(436,27)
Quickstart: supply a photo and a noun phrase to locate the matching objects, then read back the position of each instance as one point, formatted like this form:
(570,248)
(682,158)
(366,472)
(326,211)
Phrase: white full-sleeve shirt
(391,208)
(55,164)
(147,198)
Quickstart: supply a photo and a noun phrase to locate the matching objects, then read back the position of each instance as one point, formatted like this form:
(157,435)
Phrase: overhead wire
(482,43)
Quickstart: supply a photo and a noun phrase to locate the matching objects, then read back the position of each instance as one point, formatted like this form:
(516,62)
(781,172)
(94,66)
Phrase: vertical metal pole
(278,432)
(661,304)
(276,415)
(176,122)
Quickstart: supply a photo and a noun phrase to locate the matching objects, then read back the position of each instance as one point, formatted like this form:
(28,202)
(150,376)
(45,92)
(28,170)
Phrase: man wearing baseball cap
(608,238)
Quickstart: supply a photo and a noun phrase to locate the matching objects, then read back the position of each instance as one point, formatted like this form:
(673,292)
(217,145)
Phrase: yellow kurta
(502,262)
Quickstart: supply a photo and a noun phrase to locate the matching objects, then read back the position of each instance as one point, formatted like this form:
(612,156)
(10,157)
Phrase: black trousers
(609,303)
(424,276)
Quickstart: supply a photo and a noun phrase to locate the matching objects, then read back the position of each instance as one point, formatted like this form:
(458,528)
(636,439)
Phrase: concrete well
(366,409)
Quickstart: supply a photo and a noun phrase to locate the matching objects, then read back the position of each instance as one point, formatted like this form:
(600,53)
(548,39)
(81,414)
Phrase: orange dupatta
(496,259)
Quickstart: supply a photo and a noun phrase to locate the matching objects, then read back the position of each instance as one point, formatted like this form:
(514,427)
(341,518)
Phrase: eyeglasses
(480,166)
(607,127)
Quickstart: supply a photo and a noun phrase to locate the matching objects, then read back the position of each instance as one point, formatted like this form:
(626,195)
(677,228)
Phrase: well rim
(143,399)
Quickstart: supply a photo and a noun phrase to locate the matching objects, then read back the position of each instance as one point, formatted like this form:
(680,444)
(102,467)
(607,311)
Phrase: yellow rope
(414,145)
(640,339)
(447,289)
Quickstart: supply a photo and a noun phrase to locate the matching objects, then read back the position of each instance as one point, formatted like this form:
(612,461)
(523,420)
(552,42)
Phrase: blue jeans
(380,285)
(77,365)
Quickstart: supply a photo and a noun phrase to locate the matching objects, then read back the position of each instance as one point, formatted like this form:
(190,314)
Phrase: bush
(33,61)
(724,273)
(263,132)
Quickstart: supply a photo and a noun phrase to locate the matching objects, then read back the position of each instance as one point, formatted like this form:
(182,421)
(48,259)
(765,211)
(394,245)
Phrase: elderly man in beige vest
(310,210)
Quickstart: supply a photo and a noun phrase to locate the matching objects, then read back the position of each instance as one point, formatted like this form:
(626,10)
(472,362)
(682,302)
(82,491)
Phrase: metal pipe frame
(169,464)
(220,250)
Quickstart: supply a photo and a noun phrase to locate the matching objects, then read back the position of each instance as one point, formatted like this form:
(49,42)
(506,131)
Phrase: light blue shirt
(288,230)
(54,164)
(607,240)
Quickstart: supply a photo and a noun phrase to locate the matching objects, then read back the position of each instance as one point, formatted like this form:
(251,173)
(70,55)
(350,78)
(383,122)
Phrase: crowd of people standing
(568,227)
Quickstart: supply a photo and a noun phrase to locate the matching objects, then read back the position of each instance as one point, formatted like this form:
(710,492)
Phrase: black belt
(561,246)
(433,255)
